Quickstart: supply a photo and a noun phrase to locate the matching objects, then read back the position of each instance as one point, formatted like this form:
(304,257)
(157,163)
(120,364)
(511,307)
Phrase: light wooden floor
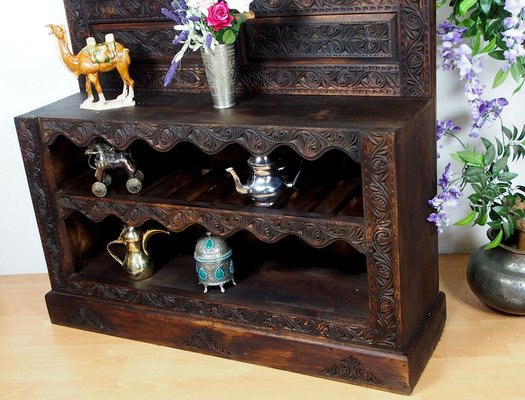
(481,356)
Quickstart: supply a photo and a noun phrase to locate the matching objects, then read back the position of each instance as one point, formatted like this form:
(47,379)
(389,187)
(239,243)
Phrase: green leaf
(466,5)
(467,220)
(490,155)
(487,143)
(522,134)
(507,176)
(500,146)
(495,242)
(519,87)
(470,157)
(507,132)
(454,156)
(497,54)
(500,210)
(229,36)
(485,6)
(476,44)
(482,217)
(500,77)
(489,47)
(516,71)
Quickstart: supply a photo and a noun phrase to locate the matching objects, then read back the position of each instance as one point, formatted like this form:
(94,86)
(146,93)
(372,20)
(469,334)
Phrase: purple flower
(445,177)
(181,37)
(444,128)
(208,40)
(447,198)
(487,111)
(440,219)
(171,73)
(171,15)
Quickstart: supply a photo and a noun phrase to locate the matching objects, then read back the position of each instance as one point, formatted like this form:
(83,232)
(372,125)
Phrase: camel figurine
(95,58)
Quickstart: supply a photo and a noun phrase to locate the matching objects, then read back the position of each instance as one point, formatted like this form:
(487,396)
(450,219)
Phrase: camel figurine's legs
(90,98)
(127,92)
(101,99)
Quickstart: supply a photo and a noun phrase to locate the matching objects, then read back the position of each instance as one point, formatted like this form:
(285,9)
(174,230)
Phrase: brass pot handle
(118,241)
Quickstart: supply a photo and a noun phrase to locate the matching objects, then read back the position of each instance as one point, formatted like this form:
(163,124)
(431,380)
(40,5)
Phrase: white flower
(514,6)
(201,5)
(240,5)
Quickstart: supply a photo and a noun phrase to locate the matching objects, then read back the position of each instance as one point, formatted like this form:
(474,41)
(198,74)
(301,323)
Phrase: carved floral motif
(320,7)
(412,76)
(352,369)
(268,228)
(228,313)
(320,39)
(416,48)
(311,143)
(381,221)
(86,318)
(33,157)
(204,339)
(322,79)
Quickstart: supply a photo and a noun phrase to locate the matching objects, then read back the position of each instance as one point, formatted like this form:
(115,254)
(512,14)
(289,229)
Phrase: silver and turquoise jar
(213,262)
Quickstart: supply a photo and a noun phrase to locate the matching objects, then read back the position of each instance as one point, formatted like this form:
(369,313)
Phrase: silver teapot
(137,261)
(266,184)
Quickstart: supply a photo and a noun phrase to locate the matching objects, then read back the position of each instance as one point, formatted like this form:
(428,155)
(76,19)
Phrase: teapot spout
(147,235)
(242,189)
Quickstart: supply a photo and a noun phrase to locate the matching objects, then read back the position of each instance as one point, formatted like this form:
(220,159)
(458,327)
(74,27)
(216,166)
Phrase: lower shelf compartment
(275,290)
(391,370)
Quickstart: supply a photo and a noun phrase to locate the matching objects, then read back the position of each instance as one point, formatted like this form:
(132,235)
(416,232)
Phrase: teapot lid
(211,248)
(131,234)
(259,161)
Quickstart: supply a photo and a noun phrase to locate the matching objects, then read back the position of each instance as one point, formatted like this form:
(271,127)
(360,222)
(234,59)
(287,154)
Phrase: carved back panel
(342,47)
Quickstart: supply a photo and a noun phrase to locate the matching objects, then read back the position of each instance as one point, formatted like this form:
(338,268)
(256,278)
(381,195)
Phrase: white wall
(32,75)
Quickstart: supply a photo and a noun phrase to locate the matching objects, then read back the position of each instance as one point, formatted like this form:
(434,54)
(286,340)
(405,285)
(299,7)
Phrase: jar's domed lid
(211,248)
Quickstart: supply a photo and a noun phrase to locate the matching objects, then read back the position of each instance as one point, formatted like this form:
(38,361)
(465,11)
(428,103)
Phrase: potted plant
(488,166)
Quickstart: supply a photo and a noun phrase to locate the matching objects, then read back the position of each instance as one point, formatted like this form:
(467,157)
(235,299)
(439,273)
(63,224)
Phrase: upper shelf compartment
(311,125)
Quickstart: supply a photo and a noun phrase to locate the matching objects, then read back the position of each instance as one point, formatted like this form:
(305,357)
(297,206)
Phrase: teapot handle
(292,184)
(118,241)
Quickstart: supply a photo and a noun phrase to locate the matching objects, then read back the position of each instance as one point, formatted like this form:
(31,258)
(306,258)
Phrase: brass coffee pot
(137,261)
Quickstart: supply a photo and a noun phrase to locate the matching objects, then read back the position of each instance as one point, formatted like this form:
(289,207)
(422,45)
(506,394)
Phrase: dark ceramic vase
(497,278)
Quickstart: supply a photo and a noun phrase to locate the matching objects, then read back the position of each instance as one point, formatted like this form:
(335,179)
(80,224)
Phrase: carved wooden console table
(340,278)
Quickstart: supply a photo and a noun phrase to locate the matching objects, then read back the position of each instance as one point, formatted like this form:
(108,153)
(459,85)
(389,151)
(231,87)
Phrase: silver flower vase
(219,66)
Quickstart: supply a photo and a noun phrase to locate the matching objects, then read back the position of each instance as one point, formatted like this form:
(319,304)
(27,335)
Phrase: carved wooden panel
(124,10)
(351,369)
(338,47)
(310,143)
(268,228)
(305,7)
(232,314)
(353,36)
(381,226)
(34,158)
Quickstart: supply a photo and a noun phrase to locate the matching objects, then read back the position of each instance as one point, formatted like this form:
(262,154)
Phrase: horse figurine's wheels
(99,189)
(139,175)
(133,185)
(107,179)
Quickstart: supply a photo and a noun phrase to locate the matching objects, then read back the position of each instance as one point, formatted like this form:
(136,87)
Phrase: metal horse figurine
(103,157)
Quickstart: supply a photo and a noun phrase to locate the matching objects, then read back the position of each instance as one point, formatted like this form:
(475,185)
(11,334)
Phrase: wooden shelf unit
(339,279)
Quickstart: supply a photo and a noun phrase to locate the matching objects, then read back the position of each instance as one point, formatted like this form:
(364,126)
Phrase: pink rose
(219,16)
